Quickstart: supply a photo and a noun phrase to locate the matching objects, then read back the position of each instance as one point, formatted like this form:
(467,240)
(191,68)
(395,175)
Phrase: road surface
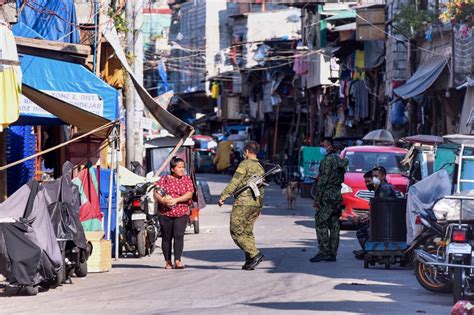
(213,282)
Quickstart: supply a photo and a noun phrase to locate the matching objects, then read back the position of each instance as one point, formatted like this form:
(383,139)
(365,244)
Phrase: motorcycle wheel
(458,291)
(141,248)
(426,279)
(81,270)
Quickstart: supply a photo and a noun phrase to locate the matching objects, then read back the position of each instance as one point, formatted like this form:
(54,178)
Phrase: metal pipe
(425,257)
(111,180)
(117,194)
(96,32)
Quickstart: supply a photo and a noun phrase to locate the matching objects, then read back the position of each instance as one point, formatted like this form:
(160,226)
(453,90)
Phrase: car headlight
(345,189)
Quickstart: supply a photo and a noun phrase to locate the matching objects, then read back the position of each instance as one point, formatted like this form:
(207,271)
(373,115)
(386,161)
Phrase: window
(361,162)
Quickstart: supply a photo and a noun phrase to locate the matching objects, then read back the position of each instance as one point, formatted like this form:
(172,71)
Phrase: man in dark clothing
(328,202)
(375,180)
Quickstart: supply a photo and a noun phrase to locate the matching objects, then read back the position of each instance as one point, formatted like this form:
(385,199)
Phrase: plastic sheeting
(450,209)
(423,195)
(51,19)
(40,232)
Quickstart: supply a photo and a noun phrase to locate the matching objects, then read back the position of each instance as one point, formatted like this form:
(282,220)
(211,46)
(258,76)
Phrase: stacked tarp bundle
(90,214)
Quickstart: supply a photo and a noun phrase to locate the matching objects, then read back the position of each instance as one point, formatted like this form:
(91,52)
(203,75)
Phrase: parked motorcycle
(452,257)
(429,241)
(141,227)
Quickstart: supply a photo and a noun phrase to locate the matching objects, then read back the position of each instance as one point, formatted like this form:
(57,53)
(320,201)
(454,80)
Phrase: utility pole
(138,71)
(130,90)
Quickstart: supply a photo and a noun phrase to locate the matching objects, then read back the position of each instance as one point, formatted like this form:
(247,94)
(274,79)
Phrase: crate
(101,258)
(370,23)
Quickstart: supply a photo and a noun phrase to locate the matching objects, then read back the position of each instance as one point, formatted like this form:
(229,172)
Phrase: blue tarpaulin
(80,86)
(50,19)
(70,82)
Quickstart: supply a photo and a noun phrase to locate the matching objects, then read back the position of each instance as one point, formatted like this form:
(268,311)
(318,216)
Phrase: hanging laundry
(360,95)
(215,90)
(300,65)
(10,78)
(88,186)
(359,73)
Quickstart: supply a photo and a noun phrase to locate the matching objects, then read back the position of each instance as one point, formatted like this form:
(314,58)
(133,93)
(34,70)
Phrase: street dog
(291,192)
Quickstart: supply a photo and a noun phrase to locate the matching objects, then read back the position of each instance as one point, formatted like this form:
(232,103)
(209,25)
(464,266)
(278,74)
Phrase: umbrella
(380,135)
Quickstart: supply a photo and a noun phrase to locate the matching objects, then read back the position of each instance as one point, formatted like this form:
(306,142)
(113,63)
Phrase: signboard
(87,101)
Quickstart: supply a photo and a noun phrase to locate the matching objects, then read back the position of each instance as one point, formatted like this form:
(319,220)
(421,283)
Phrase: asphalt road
(213,282)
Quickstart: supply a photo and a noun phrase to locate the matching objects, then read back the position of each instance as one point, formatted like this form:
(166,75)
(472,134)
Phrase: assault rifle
(255,182)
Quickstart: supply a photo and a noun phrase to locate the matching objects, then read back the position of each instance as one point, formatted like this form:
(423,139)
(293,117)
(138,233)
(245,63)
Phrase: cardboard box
(101,258)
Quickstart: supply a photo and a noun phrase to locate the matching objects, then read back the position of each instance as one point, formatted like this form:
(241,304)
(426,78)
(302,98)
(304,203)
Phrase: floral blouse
(175,187)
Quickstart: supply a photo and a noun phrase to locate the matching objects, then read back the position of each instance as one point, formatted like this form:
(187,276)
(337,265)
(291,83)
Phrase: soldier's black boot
(247,261)
(254,262)
(321,257)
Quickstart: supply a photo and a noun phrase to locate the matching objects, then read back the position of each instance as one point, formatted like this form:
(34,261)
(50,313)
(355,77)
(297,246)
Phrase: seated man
(375,180)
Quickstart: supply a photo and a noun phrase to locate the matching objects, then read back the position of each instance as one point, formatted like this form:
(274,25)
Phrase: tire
(30,290)
(426,280)
(366,261)
(196,227)
(458,291)
(81,270)
(141,248)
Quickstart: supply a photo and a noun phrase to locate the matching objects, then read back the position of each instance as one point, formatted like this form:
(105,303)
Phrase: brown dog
(291,193)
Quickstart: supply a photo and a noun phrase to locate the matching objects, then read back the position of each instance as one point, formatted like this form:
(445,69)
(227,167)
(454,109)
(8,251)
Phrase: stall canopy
(84,120)
(69,82)
(423,78)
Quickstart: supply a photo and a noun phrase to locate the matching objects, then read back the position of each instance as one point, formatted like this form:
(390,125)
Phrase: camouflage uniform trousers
(242,221)
(327,226)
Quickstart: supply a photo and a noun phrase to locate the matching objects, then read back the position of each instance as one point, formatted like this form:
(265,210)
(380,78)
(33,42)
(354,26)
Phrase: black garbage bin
(388,220)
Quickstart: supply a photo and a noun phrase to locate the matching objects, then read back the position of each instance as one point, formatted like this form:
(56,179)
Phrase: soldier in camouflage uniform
(376,181)
(246,208)
(328,202)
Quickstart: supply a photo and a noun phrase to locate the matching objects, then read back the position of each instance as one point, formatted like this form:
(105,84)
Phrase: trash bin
(388,220)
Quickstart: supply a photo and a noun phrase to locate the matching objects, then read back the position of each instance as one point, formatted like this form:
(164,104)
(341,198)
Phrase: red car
(362,159)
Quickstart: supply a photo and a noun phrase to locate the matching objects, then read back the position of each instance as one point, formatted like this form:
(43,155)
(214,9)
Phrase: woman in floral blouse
(174,193)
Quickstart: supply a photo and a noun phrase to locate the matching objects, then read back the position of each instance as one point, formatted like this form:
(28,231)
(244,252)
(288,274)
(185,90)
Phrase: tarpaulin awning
(70,82)
(348,14)
(423,78)
(84,120)
(173,124)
